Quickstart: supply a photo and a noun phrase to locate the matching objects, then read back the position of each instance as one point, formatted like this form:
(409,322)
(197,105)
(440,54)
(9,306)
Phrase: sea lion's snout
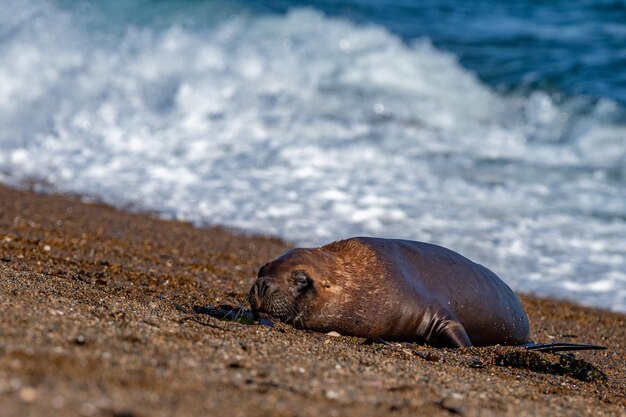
(265,298)
(268,299)
(261,288)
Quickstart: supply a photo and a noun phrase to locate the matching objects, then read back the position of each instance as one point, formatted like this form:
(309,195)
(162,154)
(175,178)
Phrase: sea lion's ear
(301,280)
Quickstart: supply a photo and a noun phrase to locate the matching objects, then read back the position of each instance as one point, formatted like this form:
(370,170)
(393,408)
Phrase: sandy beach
(102,316)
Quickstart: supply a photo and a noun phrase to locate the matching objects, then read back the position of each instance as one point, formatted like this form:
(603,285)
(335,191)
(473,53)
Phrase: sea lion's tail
(561,347)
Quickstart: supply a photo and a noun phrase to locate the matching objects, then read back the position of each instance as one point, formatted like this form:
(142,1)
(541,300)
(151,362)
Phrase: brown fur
(390,289)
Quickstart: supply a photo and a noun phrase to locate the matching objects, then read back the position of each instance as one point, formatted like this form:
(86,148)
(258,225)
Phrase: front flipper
(447,332)
(453,334)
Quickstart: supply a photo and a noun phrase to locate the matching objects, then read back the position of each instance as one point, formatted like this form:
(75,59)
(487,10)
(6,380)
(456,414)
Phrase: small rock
(453,403)
(28,394)
(332,394)
(88,409)
(429,356)
(476,363)
(333,334)
(190,362)
(47,248)
(57,401)
(15,384)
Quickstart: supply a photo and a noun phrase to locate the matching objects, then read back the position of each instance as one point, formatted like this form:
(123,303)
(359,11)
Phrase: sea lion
(396,290)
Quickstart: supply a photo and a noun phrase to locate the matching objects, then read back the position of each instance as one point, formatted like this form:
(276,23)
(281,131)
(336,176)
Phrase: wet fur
(391,289)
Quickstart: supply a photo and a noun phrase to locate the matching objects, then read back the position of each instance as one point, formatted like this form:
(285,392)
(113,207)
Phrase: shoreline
(98,319)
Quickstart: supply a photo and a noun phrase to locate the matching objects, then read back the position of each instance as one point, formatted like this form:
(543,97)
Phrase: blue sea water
(497,129)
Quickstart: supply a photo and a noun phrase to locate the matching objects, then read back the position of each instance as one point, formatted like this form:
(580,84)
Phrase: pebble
(332,394)
(454,402)
(333,334)
(88,409)
(57,401)
(192,363)
(476,363)
(47,248)
(15,384)
(28,394)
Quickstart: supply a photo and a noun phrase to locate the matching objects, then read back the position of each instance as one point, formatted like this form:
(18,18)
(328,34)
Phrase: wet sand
(99,318)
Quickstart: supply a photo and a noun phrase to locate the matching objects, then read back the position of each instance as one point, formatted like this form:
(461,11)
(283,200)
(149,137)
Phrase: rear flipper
(561,347)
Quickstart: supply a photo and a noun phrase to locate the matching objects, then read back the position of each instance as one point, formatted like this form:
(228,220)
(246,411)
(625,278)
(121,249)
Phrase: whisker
(239,312)
(298,319)
(275,302)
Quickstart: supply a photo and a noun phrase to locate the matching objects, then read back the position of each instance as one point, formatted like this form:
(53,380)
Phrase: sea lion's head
(292,288)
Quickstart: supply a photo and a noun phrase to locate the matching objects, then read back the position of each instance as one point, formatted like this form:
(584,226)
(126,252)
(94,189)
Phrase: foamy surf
(314,129)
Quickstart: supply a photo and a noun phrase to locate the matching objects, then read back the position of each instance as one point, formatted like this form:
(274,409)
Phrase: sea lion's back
(480,299)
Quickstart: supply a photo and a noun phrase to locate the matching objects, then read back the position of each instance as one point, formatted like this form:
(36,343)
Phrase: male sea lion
(393,290)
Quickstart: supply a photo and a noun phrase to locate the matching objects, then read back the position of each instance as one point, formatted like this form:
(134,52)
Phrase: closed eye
(301,280)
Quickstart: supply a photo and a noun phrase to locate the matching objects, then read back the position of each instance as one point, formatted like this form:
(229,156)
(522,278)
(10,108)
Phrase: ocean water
(498,130)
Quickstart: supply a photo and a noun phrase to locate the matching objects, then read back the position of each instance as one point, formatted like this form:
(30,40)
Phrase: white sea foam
(316,129)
